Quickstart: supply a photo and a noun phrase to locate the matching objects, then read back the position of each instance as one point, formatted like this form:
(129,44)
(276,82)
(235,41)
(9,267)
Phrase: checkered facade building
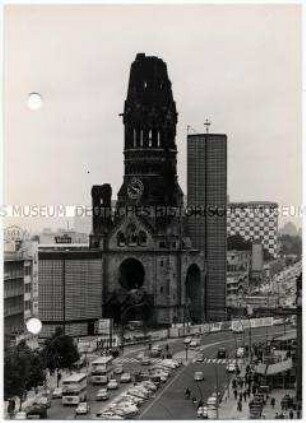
(255,221)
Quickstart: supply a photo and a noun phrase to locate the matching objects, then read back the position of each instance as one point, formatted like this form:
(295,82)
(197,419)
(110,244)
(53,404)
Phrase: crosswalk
(217,361)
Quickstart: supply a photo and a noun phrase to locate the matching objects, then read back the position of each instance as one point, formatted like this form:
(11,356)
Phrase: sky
(238,65)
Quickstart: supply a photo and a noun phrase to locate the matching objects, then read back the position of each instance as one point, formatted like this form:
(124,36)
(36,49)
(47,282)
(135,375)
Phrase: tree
(60,351)
(23,370)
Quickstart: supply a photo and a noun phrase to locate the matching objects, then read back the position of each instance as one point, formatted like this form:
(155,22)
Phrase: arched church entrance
(193,294)
(132,274)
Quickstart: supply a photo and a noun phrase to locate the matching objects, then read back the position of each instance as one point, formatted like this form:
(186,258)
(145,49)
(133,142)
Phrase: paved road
(169,402)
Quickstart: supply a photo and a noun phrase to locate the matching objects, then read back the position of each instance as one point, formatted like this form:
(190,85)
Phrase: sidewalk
(228,407)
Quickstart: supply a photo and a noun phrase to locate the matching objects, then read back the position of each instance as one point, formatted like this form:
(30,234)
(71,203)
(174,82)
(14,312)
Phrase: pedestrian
(235,393)
(291,414)
(240,396)
(244,395)
(239,406)
(194,400)
(272,402)
(234,384)
(248,392)
(187,393)
(276,416)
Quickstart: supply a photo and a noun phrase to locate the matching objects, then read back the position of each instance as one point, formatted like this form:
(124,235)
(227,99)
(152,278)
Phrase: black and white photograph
(152,211)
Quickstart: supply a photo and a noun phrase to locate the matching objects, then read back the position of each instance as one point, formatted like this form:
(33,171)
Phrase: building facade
(70,289)
(14,295)
(255,221)
(207,196)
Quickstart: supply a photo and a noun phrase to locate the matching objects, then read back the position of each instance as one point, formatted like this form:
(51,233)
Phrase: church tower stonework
(151,272)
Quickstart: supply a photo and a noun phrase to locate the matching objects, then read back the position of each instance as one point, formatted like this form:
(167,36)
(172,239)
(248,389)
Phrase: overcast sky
(238,65)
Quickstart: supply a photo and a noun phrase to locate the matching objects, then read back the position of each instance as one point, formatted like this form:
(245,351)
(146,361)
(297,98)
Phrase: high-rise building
(14,295)
(70,288)
(207,199)
(255,221)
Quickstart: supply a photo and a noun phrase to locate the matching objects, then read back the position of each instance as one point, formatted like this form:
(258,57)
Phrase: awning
(280,367)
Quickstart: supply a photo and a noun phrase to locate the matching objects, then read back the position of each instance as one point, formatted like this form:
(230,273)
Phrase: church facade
(151,270)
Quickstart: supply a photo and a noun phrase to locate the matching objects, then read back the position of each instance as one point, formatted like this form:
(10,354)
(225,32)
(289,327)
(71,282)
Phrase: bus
(100,368)
(74,389)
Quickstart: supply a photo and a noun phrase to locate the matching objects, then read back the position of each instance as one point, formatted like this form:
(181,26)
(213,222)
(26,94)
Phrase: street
(169,401)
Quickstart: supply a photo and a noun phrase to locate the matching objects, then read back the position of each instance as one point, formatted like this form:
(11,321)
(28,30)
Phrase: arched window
(134,138)
(120,239)
(142,238)
(158,139)
(141,138)
(150,139)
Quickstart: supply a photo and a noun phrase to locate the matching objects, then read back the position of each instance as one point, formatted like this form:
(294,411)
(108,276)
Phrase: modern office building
(14,295)
(255,221)
(207,198)
(70,288)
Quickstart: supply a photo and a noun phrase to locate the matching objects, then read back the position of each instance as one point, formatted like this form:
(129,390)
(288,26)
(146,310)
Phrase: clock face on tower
(135,188)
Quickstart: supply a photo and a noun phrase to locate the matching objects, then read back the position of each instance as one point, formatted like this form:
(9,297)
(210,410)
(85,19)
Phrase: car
(143,389)
(82,408)
(231,367)
(57,393)
(187,340)
(133,399)
(199,358)
(212,401)
(222,353)
(194,344)
(20,415)
(137,393)
(145,361)
(125,377)
(238,329)
(37,411)
(112,384)
(126,409)
(118,370)
(168,364)
(108,415)
(156,351)
(198,376)
(202,412)
(102,395)
(150,385)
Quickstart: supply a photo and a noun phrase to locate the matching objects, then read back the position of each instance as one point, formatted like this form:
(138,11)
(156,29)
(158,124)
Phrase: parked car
(102,395)
(37,411)
(112,384)
(118,370)
(125,378)
(198,376)
(137,393)
(82,408)
(202,412)
(57,393)
(20,415)
(187,340)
